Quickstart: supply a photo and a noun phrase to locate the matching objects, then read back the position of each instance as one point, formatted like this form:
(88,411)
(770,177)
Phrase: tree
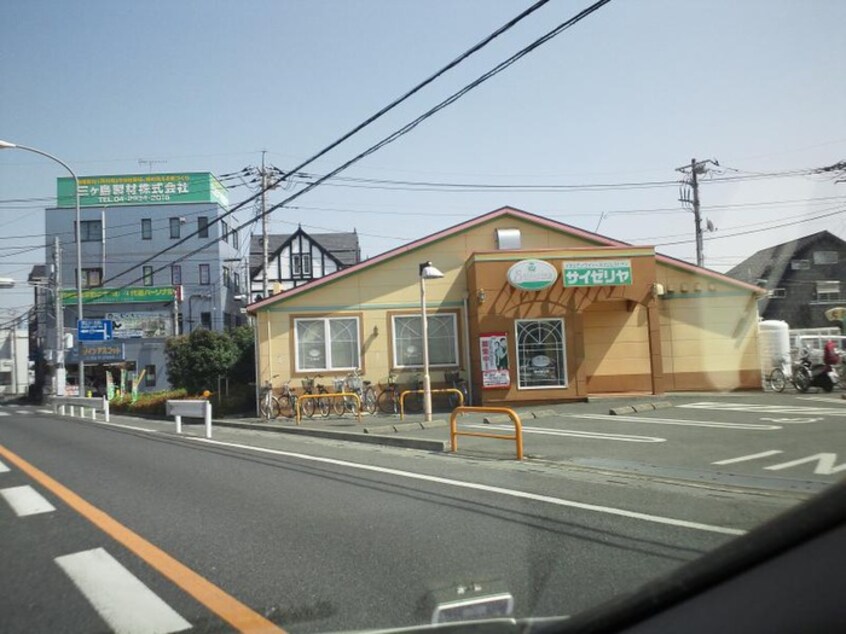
(243,370)
(196,361)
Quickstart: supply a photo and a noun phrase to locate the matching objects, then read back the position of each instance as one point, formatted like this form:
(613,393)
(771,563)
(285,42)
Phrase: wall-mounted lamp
(481,296)
(375,331)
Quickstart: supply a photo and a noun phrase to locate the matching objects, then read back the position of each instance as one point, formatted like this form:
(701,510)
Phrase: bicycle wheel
(324,406)
(455,400)
(287,405)
(802,378)
(269,407)
(339,405)
(387,401)
(307,406)
(368,400)
(777,380)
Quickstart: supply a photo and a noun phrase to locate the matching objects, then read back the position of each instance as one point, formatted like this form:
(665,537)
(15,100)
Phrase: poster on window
(494,347)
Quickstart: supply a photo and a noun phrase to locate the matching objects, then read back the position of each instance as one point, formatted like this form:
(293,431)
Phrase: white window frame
(563,374)
(327,352)
(777,293)
(454,319)
(828,291)
(147,275)
(205,268)
(825,257)
(800,265)
(305,263)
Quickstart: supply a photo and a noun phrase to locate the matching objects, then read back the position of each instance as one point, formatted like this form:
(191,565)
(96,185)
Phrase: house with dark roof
(528,309)
(803,278)
(298,258)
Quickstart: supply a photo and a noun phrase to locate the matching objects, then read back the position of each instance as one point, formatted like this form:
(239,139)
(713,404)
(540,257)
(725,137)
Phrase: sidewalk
(413,432)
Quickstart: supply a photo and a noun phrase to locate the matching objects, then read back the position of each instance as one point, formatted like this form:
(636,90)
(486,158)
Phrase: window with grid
(825,257)
(148,276)
(175,228)
(176,274)
(146,229)
(90,230)
(205,274)
(828,291)
(202,227)
(408,340)
(92,277)
(331,343)
(541,357)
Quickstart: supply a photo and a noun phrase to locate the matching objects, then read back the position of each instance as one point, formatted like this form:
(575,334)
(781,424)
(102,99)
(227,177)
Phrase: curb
(639,407)
(367,438)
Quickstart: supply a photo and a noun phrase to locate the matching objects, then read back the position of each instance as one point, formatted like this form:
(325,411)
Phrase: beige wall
(616,344)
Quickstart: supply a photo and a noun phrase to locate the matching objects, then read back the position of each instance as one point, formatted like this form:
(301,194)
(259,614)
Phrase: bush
(151,403)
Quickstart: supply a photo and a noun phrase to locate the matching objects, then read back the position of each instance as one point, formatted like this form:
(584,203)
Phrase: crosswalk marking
(677,421)
(25,500)
(119,597)
(825,464)
(573,433)
(768,409)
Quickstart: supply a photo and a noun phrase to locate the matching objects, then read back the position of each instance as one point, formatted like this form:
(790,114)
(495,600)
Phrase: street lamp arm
(6,144)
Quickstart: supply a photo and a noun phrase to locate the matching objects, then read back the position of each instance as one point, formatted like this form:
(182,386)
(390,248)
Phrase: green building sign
(128,295)
(598,273)
(142,189)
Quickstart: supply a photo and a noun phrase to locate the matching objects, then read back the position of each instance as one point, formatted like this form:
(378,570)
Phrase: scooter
(809,374)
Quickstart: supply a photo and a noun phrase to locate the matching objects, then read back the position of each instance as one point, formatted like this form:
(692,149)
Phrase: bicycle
(388,400)
(781,375)
(413,403)
(456,381)
(353,382)
(269,405)
(287,400)
(309,405)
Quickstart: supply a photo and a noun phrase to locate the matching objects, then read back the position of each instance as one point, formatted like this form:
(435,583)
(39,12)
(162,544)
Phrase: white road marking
(23,412)
(44,411)
(824,399)
(824,464)
(573,433)
(124,602)
(608,510)
(4,413)
(677,421)
(3,468)
(792,421)
(752,456)
(768,409)
(25,500)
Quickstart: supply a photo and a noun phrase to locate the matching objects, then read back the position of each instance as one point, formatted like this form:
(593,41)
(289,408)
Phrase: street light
(427,272)
(60,373)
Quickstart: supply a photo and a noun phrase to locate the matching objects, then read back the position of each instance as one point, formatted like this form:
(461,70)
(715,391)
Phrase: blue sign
(94,329)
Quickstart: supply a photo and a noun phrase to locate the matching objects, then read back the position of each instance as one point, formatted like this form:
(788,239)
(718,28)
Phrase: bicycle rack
(518,426)
(436,391)
(329,395)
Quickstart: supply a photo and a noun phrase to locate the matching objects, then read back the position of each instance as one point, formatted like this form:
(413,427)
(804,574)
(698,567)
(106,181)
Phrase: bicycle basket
(354,383)
(308,384)
(339,384)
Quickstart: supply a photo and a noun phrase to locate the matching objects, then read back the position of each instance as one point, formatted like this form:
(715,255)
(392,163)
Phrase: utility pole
(60,318)
(692,171)
(264,246)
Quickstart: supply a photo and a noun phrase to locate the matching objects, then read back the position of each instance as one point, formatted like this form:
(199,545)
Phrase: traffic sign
(94,329)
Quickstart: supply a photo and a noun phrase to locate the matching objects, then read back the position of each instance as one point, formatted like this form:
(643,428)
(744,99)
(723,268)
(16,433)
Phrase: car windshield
(339,316)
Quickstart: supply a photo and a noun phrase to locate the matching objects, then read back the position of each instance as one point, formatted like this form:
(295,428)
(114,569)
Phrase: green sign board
(142,189)
(598,273)
(128,295)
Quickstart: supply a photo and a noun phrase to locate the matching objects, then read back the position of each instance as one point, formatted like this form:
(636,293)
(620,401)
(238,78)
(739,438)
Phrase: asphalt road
(324,536)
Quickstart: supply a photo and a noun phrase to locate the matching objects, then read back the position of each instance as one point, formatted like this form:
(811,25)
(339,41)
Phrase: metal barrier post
(518,427)
(178,424)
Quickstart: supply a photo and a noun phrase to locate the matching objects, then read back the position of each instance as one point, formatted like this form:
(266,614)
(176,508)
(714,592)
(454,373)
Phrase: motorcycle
(810,374)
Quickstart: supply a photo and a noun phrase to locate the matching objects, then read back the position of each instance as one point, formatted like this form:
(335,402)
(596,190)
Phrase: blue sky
(628,95)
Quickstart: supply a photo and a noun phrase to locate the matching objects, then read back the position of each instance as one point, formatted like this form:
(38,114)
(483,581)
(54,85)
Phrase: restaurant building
(528,309)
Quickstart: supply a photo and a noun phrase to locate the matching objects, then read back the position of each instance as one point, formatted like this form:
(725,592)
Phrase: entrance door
(541,356)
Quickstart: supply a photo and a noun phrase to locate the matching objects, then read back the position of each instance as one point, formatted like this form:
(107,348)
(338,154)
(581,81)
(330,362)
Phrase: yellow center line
(224,605)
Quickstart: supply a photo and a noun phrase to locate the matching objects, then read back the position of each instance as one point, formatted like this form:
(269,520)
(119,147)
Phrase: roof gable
(502,212)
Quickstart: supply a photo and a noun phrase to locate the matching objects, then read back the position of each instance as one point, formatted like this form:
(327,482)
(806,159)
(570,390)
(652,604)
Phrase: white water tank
(773,343)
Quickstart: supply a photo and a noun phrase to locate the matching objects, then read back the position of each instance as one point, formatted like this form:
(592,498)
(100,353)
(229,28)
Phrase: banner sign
(142,325)
(494,348)
(128,295)
(98,353)
(598,273)
(142,189)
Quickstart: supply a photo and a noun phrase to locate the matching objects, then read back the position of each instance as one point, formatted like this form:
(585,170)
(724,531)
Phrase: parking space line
(767,409)
(678,421)
(573,433)
(3,468)
(118,596)
(25,500)
(753,456)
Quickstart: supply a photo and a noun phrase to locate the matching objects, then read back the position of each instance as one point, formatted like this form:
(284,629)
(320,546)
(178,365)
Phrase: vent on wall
(507,239)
